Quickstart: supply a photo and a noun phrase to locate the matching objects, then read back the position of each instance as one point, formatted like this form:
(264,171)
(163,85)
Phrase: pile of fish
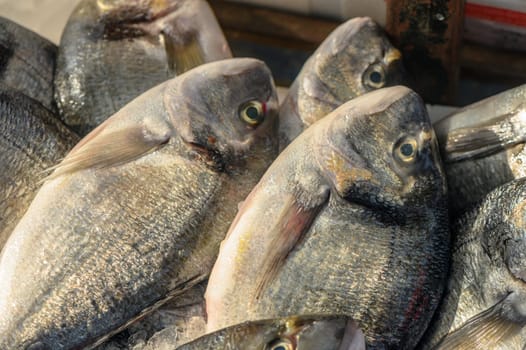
(156,195)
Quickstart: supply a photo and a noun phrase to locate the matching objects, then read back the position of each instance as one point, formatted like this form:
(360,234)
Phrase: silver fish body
(32,139)
(484,305)
(112,51)
(351,218)
(354,59)
(27,62)
(291,333)
(482,146)
(135,212)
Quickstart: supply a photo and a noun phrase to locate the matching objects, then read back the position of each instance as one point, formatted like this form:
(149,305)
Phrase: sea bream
(354,59)
(350,219)
(135,212)
(290,333)
(484,305)
(482,146)
(111,51)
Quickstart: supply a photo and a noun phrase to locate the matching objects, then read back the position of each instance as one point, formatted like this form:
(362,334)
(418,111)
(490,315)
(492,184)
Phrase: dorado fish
(350,219)
(32,139)
(135,213)
(482,146)
(291,333)
(484,304)
(113,50)
(27,62)
(354,59)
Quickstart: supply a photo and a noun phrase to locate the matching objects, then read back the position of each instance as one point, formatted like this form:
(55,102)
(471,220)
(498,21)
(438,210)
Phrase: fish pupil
(406,149)
(375,77)
(252,112)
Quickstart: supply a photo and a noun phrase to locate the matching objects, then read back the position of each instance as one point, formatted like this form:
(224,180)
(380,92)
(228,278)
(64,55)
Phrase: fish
(484,302)
(32,139)
(354,59)
(290,333)
(482,146)
(134,214)
(27,62)
(351,219)
(111,51)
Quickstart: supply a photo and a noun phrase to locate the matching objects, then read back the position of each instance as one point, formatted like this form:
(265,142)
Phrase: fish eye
(374,76)
(280,344)
(252,113)
(406,150)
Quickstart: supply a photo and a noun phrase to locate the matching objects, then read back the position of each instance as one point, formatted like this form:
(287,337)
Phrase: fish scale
(32,139)
(139,208)
(343,223)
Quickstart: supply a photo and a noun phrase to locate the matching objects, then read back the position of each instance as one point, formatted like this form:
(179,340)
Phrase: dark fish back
(32,139)
(27,62)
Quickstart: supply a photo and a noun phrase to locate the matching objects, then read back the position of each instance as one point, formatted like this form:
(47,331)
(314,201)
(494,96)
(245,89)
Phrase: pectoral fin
(183,56)
(483,331)
(104,148)
(294,220)
(495,135)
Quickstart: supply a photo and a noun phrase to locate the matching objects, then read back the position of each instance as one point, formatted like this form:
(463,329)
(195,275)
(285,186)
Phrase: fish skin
(27,62)
(139,208)
(372,234)
(482,146)
(487,282)
(112,51)
(32,139)
(337,72)
(300,333)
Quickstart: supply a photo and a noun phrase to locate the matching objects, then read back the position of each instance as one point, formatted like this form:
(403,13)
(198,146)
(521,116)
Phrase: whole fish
(135,212)
(354,59)
(482,146)
(484,305)
(32,139)
(27,62)
(351,219)
(113,50)
(291,333)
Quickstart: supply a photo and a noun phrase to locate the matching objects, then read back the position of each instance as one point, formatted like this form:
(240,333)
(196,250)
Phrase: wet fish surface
(354,59)
(27,62)
(351,219)
(292,333)
(32,139)
(484,303)
(482,146)
(138,207)
(111,51)
(173,324)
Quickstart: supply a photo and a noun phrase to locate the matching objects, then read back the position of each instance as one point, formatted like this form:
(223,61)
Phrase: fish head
(291,333)
(187,29)
(380,151)
(356,58)
(228,114)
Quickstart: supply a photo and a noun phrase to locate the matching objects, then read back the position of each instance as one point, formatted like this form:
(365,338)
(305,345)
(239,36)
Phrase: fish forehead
(218,89)
(403,104)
